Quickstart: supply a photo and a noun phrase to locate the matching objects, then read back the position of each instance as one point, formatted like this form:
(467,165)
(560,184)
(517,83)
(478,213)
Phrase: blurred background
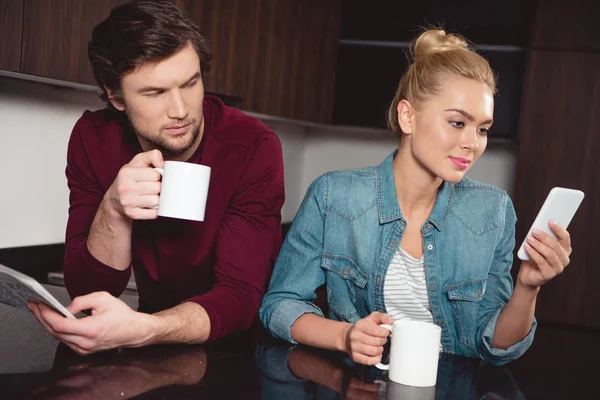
(321,74)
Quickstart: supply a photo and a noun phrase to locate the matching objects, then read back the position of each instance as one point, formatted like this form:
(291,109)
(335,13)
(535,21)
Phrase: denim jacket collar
(387,198)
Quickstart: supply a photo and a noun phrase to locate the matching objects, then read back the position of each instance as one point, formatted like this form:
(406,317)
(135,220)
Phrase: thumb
(91,301)
(380,318)
(152,158)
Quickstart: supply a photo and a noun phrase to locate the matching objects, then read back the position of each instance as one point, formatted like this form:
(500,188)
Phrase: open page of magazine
(16,289)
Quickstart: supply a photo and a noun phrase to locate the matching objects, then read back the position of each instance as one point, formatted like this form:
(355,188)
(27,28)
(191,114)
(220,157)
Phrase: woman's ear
(406,116)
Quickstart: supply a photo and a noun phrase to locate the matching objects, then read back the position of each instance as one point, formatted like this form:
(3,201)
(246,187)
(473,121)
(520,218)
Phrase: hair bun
(434,41)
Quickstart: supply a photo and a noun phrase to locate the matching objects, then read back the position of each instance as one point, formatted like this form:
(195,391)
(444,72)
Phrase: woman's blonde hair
(437,56)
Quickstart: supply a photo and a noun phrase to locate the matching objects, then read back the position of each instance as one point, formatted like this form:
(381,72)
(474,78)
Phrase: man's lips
(178,129)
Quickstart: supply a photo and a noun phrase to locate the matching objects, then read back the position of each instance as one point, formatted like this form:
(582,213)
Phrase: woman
(412,238)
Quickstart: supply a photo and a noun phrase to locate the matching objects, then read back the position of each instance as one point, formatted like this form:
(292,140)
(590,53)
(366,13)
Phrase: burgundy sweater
(223,263)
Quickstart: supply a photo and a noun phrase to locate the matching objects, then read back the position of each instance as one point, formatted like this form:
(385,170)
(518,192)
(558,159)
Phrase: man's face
(163,102)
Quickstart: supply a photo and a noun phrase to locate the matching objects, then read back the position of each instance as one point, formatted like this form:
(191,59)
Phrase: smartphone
(560,206)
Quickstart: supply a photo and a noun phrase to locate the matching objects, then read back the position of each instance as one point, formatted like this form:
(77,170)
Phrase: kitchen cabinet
(279,56)
(56,34)
(11,29)
(559,146)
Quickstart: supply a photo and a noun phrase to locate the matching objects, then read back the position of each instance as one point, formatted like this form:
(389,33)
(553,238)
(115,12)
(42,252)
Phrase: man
(197,281)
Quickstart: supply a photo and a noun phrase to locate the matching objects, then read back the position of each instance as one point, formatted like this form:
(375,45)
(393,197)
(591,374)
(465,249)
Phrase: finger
(35,309)
(554,245)
(31,305)
(543,267)
(372,329)
(62,327)
(146,201)
(361,337)
(366,360)
(77,349)
(143,188)
(549,255)
(143,213)
(149,187)
(63,337)
(379,318)
(140,174)
(91,301)
(563,236)
(152,158)
(365,349)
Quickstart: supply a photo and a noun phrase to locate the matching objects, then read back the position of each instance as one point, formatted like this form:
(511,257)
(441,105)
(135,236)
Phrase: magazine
(16,289)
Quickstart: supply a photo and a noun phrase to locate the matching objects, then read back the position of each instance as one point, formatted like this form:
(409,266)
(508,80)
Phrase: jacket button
(392,243)
(432,288)
(430,247)
(402,222)
(440,322)
(428,226)
(479,293)
(346,271)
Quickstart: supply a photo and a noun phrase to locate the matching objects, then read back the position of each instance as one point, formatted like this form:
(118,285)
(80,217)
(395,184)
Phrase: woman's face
(449,131)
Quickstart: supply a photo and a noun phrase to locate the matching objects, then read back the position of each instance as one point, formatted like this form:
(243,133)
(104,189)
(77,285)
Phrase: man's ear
(115,99)
(406,116)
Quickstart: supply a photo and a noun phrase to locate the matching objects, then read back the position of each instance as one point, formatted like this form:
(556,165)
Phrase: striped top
(405,288)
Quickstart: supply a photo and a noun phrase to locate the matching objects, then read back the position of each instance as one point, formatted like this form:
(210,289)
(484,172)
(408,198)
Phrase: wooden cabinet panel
(11,29)
(55,37)
(560,146)
(279,56)
(567,25)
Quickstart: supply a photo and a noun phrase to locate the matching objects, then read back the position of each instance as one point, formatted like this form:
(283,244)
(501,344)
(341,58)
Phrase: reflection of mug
(396,391)
(184,190)
(414,353)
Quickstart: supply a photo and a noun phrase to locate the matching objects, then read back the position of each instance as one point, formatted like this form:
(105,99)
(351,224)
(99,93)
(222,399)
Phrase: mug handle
(385,367)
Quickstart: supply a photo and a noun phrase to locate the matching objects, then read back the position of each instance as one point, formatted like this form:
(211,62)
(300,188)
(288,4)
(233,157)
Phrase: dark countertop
(562,364)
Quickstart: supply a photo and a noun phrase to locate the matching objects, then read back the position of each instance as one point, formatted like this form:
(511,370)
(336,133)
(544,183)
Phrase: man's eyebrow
(147,89)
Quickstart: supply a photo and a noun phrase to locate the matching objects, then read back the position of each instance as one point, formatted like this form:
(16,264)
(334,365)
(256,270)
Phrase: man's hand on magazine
(112,324)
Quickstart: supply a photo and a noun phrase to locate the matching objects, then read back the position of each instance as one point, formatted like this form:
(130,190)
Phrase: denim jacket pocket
(465,298)
(345,285)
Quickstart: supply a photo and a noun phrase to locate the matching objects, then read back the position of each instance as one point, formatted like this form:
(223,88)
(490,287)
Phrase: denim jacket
(350,225)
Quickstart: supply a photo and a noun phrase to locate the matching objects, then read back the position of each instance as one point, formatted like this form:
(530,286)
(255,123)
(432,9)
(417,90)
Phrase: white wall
(293,141)
(36,122)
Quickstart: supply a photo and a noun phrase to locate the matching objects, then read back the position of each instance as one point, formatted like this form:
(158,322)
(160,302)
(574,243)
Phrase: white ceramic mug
(414,354)
(184,190)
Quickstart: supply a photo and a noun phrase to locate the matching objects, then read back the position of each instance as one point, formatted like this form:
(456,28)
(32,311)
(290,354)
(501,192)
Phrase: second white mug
(414,353)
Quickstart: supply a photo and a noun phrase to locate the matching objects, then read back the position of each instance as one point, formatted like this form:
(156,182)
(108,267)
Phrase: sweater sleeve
(83,273)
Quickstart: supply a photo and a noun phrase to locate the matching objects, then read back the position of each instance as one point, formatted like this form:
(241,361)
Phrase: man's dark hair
(140,32)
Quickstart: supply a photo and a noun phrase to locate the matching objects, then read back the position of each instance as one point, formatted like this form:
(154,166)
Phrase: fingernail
(536,231)
(553,222)
(530,239)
